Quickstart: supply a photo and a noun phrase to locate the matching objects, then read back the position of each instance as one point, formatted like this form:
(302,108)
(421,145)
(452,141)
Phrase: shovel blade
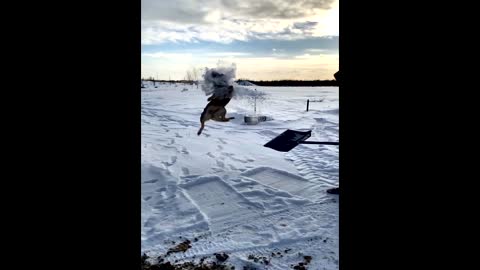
(288,140)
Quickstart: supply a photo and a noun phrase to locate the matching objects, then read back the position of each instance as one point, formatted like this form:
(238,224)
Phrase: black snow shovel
(291,138)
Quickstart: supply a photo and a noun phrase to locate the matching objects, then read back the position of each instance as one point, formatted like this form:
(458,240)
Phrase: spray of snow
(217,80)
(248,93)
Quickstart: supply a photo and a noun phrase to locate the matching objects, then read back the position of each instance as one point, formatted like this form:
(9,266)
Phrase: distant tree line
(192,76)
(261,83)
(168,81)
(294,83)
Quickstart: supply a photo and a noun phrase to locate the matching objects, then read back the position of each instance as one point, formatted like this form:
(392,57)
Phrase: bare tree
(189,76)
(195,76)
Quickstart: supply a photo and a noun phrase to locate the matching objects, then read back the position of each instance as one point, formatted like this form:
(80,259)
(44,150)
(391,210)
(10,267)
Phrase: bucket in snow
(254,119)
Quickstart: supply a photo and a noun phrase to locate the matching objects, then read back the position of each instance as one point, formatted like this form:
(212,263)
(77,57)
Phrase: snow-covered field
(225,192)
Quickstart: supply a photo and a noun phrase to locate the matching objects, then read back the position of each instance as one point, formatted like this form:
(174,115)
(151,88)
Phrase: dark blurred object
(335,191)
(337,76)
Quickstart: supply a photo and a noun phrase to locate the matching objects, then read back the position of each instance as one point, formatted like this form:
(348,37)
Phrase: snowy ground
(225,192)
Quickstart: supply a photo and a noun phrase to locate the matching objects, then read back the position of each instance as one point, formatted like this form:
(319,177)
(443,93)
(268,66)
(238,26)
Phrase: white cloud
(316,50)
(160,32)
(225,21)
(227,54)
(304,56)
(170,56)
(198,11)
(227,31)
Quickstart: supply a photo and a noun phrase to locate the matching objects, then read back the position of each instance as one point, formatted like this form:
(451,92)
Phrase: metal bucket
(254,119)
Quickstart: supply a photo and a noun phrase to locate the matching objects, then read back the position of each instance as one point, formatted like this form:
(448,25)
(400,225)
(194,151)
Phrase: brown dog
(215,109)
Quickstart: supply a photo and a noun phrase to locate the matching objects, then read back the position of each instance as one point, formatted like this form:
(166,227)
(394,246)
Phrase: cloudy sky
(266,39)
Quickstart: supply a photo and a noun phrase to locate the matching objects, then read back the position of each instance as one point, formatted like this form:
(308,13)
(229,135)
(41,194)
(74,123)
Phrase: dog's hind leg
(201,128)
(221,116)
(223,119)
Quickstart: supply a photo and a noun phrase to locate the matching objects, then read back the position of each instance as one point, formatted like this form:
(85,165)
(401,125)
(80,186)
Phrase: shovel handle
(328,143)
